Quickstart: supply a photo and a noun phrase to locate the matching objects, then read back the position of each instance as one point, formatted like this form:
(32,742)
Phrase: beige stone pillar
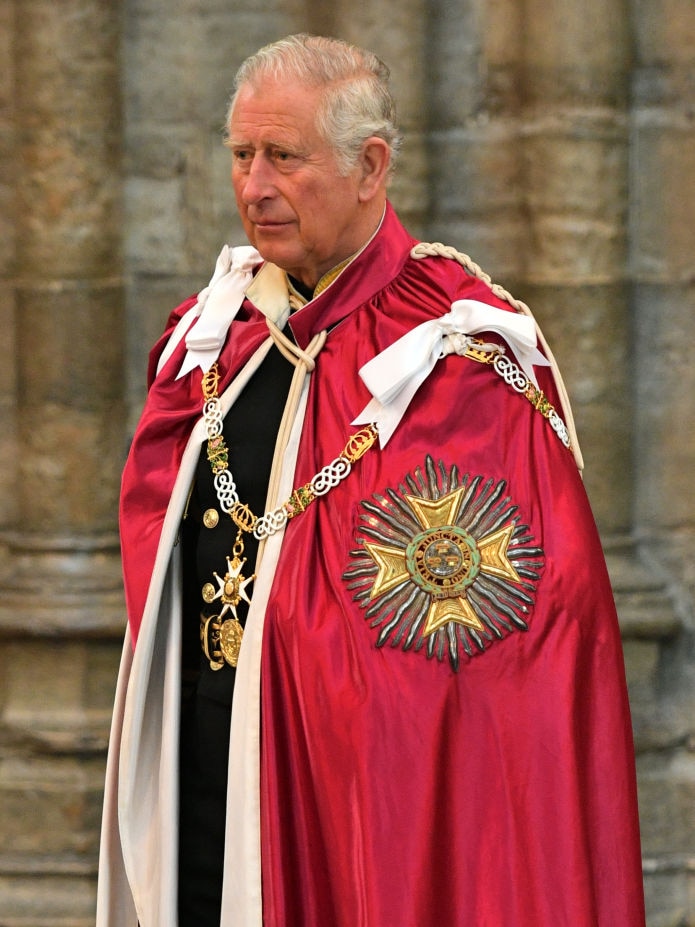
(8,182)
(60,605)
(474,151)
(663,266)
(663,269)
(69,325)
(576,82)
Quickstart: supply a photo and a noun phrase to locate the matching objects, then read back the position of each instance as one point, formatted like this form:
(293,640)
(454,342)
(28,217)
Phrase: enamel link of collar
(221,640)
(358,444)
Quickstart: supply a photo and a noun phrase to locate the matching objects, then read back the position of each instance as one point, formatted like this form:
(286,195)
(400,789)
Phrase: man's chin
(275,252)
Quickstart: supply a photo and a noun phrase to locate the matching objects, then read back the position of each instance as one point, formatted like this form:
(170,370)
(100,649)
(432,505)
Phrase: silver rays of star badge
(444,564)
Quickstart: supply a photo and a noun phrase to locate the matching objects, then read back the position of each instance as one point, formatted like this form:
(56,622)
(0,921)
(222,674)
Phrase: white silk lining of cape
(241,896)
(114,902)
(143,756)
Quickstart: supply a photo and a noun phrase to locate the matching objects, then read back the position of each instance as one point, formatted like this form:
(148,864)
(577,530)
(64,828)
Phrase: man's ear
(374,162)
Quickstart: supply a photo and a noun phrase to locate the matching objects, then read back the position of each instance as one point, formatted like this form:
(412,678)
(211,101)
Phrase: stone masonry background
(552,140)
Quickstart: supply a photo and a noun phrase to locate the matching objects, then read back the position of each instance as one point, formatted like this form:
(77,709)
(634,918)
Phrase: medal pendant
(231,633)
(220,637)
(213,656)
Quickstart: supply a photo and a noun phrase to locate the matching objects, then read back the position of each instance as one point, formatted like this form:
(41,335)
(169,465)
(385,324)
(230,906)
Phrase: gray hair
(356,102)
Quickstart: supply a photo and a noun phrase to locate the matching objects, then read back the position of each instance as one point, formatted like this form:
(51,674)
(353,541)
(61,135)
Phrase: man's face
(296,208)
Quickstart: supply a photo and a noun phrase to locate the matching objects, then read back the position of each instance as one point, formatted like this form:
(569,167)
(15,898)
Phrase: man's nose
(258,181)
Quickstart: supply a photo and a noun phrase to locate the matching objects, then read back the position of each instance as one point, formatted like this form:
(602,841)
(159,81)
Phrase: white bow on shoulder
(394,376)
(217,306)
(214,310)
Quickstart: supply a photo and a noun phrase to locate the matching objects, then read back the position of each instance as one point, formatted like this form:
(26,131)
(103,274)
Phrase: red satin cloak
(398,791)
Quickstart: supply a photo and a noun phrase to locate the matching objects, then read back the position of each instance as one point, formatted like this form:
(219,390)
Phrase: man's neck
(307,293)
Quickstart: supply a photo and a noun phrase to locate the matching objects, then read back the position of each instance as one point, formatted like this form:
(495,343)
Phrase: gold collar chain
(327,478)
(221,640)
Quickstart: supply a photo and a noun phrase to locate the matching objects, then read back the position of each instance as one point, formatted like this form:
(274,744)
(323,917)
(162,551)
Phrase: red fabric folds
(397,789)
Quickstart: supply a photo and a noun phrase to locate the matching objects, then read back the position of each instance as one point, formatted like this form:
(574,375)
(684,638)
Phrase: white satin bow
(217,306)
(394,376)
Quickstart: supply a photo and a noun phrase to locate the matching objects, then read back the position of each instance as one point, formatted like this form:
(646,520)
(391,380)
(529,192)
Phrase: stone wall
(551,141)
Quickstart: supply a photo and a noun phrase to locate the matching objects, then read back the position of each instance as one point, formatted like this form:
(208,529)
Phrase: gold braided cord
(291,351)
(436,249)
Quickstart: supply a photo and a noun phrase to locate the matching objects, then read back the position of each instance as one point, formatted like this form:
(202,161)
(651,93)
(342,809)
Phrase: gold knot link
(243,517)
(359,443)
(210,382)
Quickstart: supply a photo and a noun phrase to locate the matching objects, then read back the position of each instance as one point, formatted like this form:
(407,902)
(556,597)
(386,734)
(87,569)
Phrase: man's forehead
(273,95)
(270,131)
(273,116)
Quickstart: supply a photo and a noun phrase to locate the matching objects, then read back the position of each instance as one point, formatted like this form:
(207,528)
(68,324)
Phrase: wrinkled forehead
(266,90)
(273,111)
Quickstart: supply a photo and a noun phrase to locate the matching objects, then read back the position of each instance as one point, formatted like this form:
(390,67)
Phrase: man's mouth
(267,222)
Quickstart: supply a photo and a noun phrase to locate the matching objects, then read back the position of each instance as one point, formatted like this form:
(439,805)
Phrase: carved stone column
(8,182)
(475,159)
(61,608)
(576,81)
(664,274)
(663,245)
(69,320)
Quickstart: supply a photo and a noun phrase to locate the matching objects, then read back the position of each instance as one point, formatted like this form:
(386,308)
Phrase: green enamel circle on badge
(443,561)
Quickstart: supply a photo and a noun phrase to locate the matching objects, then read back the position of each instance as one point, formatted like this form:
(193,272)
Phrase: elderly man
(373,674)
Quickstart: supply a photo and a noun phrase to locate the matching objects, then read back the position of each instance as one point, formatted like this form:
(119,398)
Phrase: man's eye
(241,154)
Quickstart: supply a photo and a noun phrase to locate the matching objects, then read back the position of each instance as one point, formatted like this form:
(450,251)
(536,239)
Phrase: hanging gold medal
(227,635)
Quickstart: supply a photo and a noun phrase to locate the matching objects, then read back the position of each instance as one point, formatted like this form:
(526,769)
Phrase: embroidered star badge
(444,562)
